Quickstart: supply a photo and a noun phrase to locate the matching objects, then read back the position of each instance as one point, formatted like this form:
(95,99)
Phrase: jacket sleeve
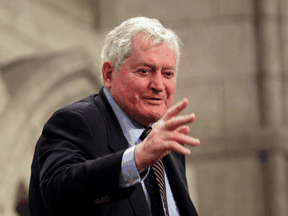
(75,175)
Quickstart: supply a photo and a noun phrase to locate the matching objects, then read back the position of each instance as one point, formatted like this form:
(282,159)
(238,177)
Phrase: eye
(169,74)
(143,71)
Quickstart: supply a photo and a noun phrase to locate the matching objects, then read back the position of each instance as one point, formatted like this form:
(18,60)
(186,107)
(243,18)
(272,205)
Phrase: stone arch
(36,87)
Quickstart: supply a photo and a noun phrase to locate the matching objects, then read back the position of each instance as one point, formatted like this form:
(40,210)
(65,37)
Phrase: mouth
(154,101)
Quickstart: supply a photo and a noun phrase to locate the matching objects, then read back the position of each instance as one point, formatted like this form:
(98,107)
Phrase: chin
(147,119)
(154,117)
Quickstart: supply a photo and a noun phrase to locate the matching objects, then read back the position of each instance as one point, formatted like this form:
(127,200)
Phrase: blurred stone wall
(233,72)
(49,57)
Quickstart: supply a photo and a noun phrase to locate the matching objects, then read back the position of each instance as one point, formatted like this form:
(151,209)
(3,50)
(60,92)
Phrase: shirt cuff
(129,174)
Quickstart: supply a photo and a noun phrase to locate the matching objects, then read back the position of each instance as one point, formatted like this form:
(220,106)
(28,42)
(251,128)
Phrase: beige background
(233,70)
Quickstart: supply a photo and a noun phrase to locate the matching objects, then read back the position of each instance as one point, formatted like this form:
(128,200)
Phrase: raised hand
(170,133)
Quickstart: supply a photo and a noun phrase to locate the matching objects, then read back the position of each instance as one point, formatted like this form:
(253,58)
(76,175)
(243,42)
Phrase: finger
(184,129)
(164,154)
(176,147)
(176,109)
(175,122)
(184,139)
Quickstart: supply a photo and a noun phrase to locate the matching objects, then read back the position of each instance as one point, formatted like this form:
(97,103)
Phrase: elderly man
(99,156)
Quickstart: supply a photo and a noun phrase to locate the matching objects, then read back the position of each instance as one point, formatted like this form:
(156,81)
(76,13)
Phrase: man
(91,158)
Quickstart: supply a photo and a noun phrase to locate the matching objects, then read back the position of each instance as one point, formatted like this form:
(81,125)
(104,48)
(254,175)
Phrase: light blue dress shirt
(132,130)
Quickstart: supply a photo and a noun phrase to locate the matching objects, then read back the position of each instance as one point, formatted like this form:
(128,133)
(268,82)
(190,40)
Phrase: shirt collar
(132,129)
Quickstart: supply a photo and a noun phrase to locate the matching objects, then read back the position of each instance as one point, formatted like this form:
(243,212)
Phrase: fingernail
(184,100)
(188,151)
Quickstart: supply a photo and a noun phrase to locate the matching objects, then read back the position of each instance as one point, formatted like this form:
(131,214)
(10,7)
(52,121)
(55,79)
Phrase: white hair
(117,44)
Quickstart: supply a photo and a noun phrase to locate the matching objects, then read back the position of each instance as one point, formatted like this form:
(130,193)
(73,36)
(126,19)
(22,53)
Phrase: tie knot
(145,133)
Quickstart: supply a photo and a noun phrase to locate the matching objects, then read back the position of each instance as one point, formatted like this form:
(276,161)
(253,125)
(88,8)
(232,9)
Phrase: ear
(107,70)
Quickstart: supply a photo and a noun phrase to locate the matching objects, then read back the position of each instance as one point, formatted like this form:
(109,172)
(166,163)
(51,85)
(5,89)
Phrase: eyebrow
(153,66)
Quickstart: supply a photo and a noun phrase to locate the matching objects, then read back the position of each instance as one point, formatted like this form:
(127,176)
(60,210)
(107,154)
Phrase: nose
(157,82)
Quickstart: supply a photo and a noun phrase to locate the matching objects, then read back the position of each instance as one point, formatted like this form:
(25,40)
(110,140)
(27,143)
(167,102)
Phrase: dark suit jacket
(77,164)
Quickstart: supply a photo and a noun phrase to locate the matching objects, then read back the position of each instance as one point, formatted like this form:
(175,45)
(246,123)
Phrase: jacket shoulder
(81,116)
(82,106)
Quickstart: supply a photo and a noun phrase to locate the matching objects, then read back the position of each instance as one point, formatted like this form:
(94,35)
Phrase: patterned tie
(157,183)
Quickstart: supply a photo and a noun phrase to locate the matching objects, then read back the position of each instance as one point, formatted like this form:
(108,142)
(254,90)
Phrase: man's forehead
(142,41)
(152,65)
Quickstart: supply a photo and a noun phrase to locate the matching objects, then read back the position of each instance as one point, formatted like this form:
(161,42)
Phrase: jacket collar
(132,129)
(116,139)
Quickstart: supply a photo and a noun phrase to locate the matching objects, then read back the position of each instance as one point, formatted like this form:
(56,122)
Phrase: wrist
(138,160)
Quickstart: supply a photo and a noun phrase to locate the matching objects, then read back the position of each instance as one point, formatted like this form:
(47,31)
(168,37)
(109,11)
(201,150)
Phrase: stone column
(277,175)
(269,62)
(4,95)
(269,40)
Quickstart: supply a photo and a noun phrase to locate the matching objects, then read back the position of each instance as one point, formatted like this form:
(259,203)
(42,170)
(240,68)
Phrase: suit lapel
(118,142)
(139,202)
(179,189)
(116,138)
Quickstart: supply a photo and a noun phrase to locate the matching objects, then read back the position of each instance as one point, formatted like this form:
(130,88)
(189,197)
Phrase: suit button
(106,199)
(98,201)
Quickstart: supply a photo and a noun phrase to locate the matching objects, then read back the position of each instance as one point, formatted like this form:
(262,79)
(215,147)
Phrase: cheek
(131,94)
(171,89)
(136,88)
(170,94)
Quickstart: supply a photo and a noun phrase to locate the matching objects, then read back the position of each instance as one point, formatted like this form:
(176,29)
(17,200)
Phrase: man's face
(144,87)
